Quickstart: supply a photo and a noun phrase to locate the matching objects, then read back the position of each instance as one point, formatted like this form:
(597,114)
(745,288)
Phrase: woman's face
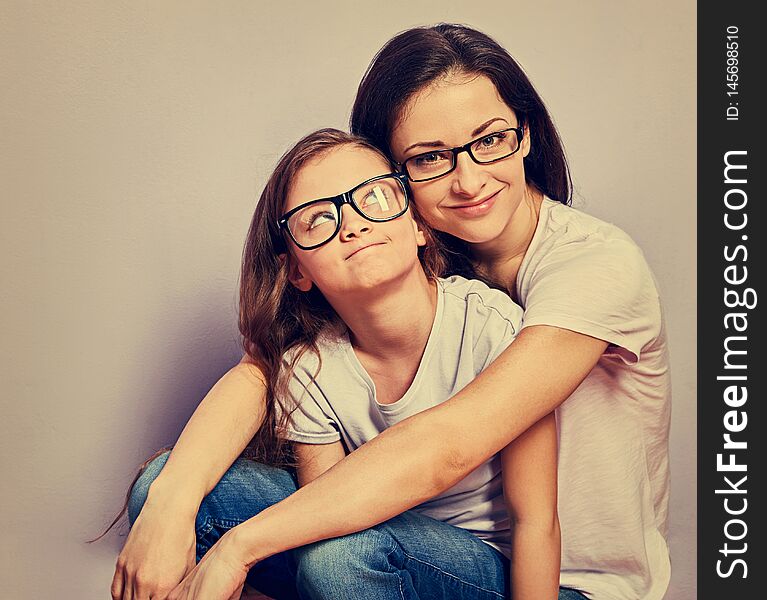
(474,202)
(363,254)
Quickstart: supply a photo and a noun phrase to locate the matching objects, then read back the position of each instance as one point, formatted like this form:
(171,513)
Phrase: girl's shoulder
(472,297)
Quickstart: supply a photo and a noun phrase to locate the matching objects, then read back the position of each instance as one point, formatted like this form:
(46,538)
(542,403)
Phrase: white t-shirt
(585,275)
(473,324)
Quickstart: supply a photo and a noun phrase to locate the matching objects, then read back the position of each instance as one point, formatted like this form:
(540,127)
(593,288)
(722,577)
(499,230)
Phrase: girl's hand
(220,575)
(156,556)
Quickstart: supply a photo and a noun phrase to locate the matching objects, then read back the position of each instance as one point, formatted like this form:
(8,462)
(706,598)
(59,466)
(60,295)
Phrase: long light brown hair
(275,317)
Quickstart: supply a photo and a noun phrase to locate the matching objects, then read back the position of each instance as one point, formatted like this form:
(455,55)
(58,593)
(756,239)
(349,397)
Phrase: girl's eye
(376,199)
(317,218)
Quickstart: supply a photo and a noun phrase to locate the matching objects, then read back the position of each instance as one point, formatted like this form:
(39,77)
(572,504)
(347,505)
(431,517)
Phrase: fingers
(177,593)
(118,582)
(237,593)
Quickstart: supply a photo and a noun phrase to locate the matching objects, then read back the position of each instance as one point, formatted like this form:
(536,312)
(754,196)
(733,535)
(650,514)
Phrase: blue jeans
(408,557)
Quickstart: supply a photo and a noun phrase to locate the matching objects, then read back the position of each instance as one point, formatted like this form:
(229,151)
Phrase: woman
(593,344)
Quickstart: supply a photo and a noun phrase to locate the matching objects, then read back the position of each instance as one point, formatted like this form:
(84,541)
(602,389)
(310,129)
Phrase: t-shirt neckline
(356,365)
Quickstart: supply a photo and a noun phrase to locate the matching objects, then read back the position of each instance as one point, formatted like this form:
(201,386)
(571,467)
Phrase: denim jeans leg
(408,557)
(246,489)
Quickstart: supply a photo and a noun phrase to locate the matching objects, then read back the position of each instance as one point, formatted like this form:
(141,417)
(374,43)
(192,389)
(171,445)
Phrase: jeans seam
(451,575)
(399,577)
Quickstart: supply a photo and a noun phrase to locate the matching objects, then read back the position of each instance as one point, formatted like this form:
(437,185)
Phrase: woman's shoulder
(565,219)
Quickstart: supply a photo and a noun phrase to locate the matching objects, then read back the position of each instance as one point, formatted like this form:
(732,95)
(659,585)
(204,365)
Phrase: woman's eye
(429,159)
(491,140)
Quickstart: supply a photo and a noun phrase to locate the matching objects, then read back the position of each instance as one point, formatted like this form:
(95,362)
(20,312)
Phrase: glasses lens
(314,224)
(495,146)
(381,199)
(429,165)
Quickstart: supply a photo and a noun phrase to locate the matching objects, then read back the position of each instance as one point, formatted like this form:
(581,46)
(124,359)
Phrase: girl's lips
(358,250)
(476,209)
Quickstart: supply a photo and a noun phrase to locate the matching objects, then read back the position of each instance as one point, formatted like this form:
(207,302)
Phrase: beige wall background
(134,140)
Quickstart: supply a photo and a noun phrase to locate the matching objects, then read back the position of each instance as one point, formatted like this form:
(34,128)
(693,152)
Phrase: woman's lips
(476,209)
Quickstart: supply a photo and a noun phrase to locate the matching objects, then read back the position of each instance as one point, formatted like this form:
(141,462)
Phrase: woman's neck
(501,258)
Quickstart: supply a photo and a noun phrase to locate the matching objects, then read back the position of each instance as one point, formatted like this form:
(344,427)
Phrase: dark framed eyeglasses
(379,199)
(489,148)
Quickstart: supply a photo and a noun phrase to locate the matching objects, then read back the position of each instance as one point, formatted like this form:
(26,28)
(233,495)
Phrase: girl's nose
(353,224)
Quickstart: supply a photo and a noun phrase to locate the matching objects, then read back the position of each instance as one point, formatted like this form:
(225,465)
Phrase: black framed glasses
(489,148)
(379,199)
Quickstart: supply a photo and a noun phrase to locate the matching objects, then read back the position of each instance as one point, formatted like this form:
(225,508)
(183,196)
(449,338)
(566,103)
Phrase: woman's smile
(475,208)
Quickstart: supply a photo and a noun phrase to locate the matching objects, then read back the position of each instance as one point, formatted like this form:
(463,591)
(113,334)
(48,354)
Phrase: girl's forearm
(217,432)
(535,561)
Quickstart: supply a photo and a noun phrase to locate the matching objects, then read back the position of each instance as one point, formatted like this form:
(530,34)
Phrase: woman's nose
(468,176)
(353,224)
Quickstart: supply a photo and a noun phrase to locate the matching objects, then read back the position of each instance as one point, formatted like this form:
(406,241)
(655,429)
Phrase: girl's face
(363,254)
(475,202)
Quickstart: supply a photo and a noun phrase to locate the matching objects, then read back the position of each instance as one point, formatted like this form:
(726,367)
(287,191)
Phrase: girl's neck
(501,258)
(393,324)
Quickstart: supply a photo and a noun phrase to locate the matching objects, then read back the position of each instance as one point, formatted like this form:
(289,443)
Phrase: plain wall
(135,138)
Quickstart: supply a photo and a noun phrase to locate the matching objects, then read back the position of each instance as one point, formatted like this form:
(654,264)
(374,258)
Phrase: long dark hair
(275,317)
(415,58)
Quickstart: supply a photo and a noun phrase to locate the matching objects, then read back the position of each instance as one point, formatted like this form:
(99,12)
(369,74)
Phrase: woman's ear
(526,143)
(295,276)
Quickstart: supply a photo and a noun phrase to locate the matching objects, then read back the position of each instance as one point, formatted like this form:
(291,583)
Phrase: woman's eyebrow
(441,144)
(487,124)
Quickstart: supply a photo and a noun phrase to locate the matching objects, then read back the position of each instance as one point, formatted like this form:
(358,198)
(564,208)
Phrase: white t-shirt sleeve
(309,422)
(493,320)
(601,287)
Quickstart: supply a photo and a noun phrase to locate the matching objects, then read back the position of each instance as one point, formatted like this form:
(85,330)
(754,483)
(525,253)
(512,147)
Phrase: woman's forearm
(217,432)
(431,451)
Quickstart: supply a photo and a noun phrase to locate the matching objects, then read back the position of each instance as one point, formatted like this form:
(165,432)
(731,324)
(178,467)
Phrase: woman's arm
(530,487)
(160,548)
(435,449)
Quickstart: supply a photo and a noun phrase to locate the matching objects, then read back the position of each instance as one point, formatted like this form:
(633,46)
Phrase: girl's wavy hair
(275,317)
(416,58)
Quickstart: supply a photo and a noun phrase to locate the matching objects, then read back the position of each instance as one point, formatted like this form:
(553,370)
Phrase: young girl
(355,334)
(593,344)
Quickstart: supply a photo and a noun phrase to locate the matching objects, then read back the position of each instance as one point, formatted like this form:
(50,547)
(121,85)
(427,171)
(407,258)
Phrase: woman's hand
(158,553)
(220,575)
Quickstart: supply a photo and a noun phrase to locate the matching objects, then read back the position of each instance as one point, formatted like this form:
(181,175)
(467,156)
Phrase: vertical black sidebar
(731,335)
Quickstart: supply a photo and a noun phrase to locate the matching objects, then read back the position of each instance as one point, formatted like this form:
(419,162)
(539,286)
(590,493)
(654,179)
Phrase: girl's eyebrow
(441,144)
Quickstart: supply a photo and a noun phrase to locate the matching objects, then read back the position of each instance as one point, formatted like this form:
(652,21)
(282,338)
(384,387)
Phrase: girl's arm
(160,548)
(314,459)
(530,487)
(435,449)
(218,431)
